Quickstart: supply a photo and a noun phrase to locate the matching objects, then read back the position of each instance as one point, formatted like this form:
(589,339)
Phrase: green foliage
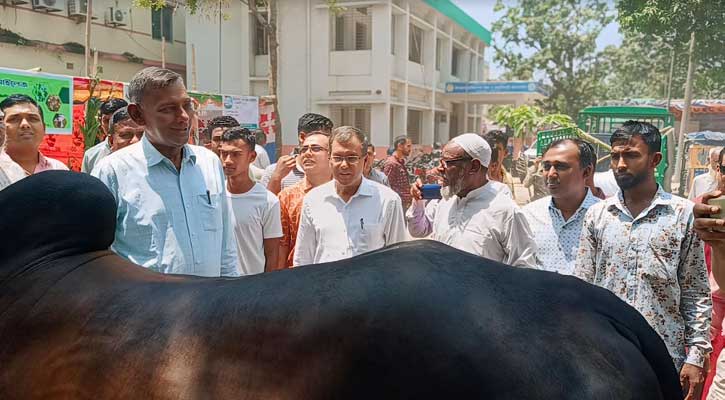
(92,126)
(557,39)
(675,20)
(525,120)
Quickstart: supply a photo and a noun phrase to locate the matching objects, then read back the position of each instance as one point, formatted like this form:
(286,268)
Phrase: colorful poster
(244,109)
(69,148)
(266,119)
(54,94)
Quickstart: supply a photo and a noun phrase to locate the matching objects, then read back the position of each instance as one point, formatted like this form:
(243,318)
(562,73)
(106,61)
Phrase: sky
(482,11)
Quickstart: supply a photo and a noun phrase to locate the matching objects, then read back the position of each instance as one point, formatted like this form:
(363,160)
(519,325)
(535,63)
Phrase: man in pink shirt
(25,131)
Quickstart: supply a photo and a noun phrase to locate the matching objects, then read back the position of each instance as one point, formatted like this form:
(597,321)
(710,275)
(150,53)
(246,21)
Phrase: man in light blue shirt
(96,153)
(556,221)
(172,215)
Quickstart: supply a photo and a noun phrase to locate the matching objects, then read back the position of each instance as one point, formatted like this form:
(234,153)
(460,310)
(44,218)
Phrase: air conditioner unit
(77,8)
(116,17)
(49,5)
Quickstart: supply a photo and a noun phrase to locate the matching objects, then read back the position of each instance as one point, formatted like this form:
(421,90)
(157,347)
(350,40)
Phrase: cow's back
(418,320)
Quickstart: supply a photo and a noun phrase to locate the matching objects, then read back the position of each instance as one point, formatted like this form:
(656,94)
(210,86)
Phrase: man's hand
(691,379)
(704,224)
(284,166)
(415,190)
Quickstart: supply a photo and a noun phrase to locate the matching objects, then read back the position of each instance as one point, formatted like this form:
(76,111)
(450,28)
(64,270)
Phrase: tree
(556,38)
(270,30)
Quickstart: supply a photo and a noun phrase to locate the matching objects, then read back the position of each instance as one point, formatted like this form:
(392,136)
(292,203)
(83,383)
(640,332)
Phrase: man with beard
(706,182)
(556,220)
(639,244)
(172,214)
(475,215)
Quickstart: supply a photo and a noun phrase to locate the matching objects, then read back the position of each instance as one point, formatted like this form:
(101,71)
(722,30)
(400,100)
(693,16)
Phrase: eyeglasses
(314,148)
(558,167)
(453,160)
(350,159)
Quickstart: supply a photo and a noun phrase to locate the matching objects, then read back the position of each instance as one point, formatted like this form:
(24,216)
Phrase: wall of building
(51,29)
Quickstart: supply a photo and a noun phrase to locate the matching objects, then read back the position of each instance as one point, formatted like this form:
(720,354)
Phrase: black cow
(418,320)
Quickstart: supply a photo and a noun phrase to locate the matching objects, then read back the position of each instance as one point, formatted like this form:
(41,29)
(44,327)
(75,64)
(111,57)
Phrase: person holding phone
(711,230)
(474,214)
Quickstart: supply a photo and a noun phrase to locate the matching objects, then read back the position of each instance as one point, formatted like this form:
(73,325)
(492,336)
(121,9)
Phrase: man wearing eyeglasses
(476,214)
(172,213)
(556,220)
(350,215)
(315,159)
(708,181)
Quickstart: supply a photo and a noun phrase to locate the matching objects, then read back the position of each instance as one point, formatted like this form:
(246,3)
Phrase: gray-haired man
(172,213)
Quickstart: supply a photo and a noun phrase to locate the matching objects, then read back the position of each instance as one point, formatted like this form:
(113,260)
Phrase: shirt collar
(589,200)
(478,192)
(661,198)
(153,156)
(365,189)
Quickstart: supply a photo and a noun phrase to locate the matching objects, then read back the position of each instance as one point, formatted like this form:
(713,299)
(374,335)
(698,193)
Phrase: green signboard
(54,94)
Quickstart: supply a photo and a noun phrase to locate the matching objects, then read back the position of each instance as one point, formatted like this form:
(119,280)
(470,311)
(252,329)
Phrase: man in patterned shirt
(639,245)
(556,220)
(396,172)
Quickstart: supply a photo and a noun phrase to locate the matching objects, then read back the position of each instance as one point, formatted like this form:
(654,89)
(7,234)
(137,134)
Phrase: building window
(261,41)
(439,54)
(415,49)
(352,30)
(355,116)
(456,62)
(414,125)
(162,24)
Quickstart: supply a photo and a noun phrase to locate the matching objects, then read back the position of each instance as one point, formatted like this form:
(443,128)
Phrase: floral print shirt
(655,263)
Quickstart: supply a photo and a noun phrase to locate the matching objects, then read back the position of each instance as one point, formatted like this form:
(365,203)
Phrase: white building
(380,65)
(49,34)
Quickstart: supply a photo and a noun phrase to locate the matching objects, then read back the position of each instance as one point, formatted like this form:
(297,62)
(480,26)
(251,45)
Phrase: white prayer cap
(475,146)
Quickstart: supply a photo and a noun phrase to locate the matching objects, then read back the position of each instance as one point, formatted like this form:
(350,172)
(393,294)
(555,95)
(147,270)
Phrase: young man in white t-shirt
(256,213)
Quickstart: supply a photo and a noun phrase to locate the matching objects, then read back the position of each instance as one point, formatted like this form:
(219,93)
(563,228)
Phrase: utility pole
(685,117)
(669,80)
(89,18)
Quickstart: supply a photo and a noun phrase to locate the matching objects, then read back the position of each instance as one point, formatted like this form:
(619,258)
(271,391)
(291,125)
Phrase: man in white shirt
(255,210)
(706,182)
(476,214)
(262,160)
(93,155)
(350,215)
(556,221)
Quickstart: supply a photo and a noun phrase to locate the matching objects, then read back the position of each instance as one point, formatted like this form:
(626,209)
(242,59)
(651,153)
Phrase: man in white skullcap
(475,214)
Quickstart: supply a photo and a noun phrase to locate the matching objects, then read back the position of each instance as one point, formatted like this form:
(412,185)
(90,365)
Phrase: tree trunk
(273,73)
(685,119)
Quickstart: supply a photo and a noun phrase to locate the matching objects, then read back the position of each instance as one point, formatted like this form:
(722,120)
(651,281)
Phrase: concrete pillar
(380,124)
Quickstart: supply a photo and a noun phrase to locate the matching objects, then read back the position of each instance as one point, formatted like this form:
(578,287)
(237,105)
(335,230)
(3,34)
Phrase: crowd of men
(222,210)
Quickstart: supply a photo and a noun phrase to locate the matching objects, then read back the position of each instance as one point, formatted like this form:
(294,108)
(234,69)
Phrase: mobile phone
(720,202)
(431,191)
(296,151)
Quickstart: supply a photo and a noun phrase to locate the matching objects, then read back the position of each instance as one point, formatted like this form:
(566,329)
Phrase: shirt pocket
(371,237)
(664,246)
(209,205)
